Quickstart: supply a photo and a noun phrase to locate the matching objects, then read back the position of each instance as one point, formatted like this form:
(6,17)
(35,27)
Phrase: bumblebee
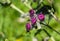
(44,9)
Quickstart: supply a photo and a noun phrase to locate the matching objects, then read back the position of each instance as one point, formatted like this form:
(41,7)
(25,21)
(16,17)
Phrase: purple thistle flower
(31,12)
(28,27)
(33,20)
(41,16)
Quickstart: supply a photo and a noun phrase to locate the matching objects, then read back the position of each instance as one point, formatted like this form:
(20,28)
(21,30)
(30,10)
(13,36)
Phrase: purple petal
(41,17)
(33,20)
(31,12)
(28,26)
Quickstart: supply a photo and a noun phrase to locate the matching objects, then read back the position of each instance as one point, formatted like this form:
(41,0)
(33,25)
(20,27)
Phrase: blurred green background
(15,31)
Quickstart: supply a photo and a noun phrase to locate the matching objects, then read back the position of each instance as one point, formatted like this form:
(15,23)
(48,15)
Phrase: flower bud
(31,12)
(28,27)
(33,20)
(41,17)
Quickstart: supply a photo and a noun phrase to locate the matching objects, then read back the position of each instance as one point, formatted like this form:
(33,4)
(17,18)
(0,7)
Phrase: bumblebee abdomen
(44,9)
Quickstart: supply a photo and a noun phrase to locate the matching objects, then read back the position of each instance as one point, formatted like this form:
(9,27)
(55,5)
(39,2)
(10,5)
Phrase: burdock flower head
(28,27)
(33,20)
(41,17)
(31,12)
